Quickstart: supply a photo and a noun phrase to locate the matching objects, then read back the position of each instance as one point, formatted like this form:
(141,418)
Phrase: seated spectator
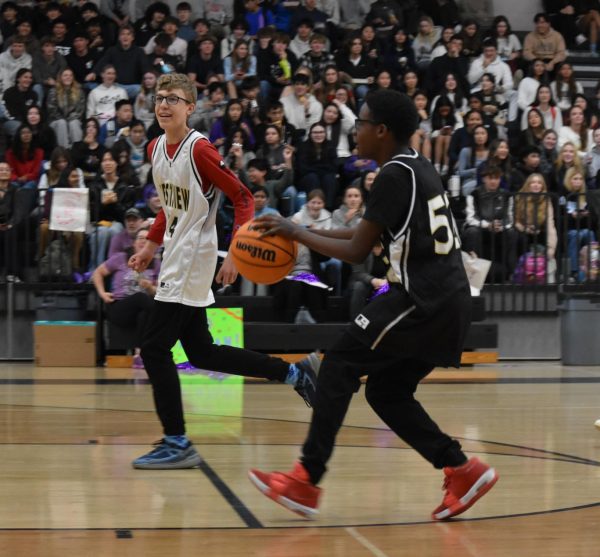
(236,150)
(256,174)
(210,108)
(534,217)
(576,132)
(534,132)
(579,223)
(441,45)
(453,62)
(368,278)
(317,58)
(43,135)
(152,204)
(551,114)
(276,116)
(338,120)
(59,33)
(592,162)
(275,66)
(565,87)
(493,103)
(87,153)
(59,160)
(463,137)
(17,99)
(421,139)
(443,124)
(489,231)
(9,12)
(69,177)
(453,91)
(204,63)
(15,205)
(137,142)
(122,153)
(130,301)
(257,17)
(528,164)
(410,83)
(499,157)
(249,91)
(399,56)
(112,129)
(129,61)
(293,296)
(590,115)
(372,45)
(568,157)
(25,159)
(508,44)
(238,31)
(238,65)
(25,35)
(158,60)
(82,58)
(301,108)
(544,43)
(271,149)
(316,165)
(351,211)
(424,42)
(110,197)
(101,100)
(11,61)
(123,241)
(231,120)
(143,107)
(150,24)
(66,106)
(471,158)
(548,153)
(177,48)
(47,64)
(529,85)
(331,81)
(308,11)
(470,34)
(384,16)
(490,62)
(356,63)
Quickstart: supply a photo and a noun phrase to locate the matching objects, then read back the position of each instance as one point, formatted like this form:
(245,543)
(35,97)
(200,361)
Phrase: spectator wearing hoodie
(490,62)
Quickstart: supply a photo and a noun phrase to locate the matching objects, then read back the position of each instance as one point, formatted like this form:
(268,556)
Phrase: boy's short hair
(489,43)
(163,40)
(47,40)
(178,81)
(122,102)
(317,37)
(259,164)
(265,33)
(259,189)
(384,102)
(491,170)
(183,6)
(249,82)
(281,37)
(216,85)
(172,20)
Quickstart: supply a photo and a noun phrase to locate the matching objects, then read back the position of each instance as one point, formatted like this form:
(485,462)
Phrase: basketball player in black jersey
(400,336)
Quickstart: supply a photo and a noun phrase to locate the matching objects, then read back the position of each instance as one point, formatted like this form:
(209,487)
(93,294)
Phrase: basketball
(262,260)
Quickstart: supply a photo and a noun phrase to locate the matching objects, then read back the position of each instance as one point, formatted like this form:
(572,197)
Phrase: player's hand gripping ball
(265,260)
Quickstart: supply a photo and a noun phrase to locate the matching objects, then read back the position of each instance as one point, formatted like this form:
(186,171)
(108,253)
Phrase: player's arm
(213,171)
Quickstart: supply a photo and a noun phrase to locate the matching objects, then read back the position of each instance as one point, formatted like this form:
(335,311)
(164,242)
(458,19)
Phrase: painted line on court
(365,542)
(234,501)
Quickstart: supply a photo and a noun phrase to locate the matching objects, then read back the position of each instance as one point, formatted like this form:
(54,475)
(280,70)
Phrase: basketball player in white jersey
(190,178)
(400,336)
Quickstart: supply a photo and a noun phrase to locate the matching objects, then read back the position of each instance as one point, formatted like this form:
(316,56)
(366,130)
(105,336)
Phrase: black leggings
(132,311)
(170,322)
(390,390)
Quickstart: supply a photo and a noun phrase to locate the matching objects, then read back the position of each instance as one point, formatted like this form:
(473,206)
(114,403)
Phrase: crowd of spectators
(280,84)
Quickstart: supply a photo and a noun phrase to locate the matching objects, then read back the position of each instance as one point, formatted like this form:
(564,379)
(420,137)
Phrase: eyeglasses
(172,100)
(361,121)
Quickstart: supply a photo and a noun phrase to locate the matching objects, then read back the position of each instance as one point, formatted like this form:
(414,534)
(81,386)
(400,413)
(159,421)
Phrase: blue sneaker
(306,385)
(167,456)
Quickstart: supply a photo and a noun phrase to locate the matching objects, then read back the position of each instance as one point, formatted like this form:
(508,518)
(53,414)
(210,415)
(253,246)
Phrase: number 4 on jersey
(172,226)
(440,220)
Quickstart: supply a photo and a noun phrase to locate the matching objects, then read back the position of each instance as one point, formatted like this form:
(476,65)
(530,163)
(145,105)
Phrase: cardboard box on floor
(65,343)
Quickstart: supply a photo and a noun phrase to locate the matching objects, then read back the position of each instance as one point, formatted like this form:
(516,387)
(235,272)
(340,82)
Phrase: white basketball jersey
(190,240)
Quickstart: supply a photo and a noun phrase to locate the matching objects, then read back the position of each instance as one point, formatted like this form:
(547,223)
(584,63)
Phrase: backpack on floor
(530,269)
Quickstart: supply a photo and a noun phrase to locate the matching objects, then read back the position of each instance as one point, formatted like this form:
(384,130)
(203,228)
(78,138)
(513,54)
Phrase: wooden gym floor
(67,487)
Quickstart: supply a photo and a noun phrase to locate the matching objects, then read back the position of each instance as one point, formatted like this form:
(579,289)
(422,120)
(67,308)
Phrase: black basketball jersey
(420,236)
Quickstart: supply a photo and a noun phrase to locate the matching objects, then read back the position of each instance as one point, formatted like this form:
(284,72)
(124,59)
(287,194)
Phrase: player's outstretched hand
(272,225)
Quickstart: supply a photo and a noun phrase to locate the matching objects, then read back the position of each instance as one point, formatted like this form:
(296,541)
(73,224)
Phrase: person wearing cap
(177,48)
(489,225)
(529,163)
(301,108)
(123,241)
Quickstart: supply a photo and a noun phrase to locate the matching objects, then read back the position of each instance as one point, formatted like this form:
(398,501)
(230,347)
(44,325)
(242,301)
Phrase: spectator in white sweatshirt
(301,108)
(101,100)
(490,62)
(11,61)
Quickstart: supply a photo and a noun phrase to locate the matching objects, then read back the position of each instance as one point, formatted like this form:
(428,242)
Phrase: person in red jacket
(25,159)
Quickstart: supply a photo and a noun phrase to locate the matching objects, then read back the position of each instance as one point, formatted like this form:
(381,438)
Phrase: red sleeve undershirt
(212,170)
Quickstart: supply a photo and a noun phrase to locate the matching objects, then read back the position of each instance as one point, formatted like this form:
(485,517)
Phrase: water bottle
(164,68)
(454,186)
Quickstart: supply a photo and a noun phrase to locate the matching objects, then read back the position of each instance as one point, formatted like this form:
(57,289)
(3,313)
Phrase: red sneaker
(293,490)
(464,485)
